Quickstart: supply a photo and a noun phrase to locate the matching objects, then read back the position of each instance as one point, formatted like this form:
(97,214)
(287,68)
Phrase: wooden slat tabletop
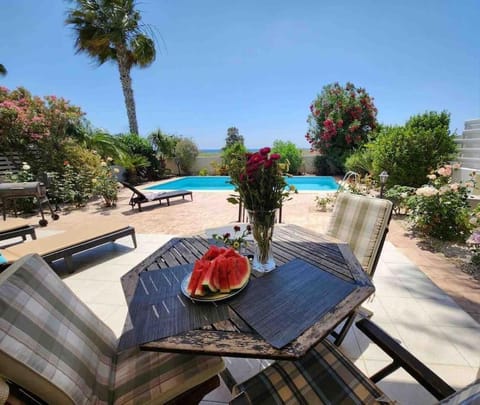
(234,337)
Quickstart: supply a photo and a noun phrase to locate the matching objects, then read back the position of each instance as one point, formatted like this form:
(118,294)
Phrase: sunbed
(64,245)
(14,227)
(144,196)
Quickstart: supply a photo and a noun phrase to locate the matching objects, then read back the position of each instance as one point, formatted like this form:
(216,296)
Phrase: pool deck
(421,298)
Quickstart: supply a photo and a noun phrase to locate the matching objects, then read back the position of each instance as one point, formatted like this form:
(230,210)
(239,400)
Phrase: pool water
(219,183)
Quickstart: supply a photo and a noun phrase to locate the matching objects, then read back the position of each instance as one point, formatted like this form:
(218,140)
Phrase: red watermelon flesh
(212,252)
(239,272)
(195,277)
(222,268)
(208,279)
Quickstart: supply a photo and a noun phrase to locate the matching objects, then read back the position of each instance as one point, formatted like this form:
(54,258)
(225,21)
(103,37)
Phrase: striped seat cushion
(153,377)
(54,346)
(323,376)
(51,343)
(361,222)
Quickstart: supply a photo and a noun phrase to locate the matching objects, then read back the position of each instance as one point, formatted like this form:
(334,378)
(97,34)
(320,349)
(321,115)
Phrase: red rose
(268,163)
(275,156)
(236,228)
(265,151)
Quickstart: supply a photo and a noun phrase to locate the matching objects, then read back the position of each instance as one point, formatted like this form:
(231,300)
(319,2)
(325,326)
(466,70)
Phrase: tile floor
(406,304)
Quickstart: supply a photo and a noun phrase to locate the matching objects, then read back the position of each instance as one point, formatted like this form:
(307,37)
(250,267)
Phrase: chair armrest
(404,359)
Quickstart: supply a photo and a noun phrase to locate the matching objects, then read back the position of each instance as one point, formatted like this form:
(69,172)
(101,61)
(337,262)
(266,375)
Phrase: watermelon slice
(223,274)
(207,280)
(195,277)
(239,272)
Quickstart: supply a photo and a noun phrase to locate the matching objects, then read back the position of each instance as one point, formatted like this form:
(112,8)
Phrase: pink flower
(275,156)
(265,151)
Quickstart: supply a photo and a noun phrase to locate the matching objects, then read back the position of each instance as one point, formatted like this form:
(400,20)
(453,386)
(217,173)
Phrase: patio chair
(326,375)
(54,347)
(64,245)
(16,227)
(140,197)
(362,222)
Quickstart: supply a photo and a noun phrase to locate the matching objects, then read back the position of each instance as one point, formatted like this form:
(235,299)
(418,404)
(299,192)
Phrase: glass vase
(262,231)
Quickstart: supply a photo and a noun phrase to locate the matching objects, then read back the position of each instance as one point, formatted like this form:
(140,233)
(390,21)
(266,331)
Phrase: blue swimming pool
(219,183)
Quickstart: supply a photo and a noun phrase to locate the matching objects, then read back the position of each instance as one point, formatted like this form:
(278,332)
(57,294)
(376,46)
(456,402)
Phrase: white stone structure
(469,148)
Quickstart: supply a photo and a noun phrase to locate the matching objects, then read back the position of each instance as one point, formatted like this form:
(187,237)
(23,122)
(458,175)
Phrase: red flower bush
(340,119)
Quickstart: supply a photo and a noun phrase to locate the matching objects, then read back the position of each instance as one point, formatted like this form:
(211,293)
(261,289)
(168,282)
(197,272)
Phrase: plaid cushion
(361,222)
(323,376)
(50,342)
(52,345)
(470,395)
(153,377)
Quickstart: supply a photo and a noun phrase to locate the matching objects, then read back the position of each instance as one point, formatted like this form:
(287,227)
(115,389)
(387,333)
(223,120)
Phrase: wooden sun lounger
(66,244)
(138,198)
(16,227)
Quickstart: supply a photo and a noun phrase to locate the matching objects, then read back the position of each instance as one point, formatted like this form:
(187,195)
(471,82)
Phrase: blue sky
(257,65)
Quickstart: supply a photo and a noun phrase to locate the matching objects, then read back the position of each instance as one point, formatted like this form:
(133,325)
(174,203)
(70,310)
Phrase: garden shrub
(203,172)
(23,205)
(361,161)
(105,183)
(340,121)
(36,128)
(399,196)
(440,208)
(326,165)
(136,145)
(290,155)
(411,152)
(186,151)
(74,186)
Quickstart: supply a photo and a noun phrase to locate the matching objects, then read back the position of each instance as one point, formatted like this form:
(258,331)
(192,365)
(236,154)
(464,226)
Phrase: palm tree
(3,70)
(110,30)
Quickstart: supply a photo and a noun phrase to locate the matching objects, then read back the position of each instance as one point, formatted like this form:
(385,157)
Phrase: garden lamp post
(383,180)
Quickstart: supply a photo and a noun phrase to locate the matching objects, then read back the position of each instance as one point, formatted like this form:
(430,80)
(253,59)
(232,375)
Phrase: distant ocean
(219,150)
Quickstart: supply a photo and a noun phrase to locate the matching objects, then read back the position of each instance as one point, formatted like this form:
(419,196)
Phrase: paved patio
(407,304)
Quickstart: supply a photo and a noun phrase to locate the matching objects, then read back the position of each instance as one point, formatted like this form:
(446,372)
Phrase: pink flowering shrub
(31,125)
(440,208)
(340,120)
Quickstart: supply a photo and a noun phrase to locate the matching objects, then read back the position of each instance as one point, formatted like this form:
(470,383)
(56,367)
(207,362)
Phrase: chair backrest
(362,222)
(51,343)
(133,189)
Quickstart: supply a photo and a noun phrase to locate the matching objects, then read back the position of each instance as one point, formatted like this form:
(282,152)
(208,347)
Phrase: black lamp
(383,180)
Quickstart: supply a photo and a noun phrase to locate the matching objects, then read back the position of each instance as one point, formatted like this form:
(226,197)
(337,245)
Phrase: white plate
(210,297)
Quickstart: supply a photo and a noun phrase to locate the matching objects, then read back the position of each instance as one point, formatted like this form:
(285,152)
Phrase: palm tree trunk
(126,80)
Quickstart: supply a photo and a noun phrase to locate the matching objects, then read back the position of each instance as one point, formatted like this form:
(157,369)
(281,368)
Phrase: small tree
(186,151)
(232,152)
(233,137)
(290,155)
(341,120)
(164,146)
